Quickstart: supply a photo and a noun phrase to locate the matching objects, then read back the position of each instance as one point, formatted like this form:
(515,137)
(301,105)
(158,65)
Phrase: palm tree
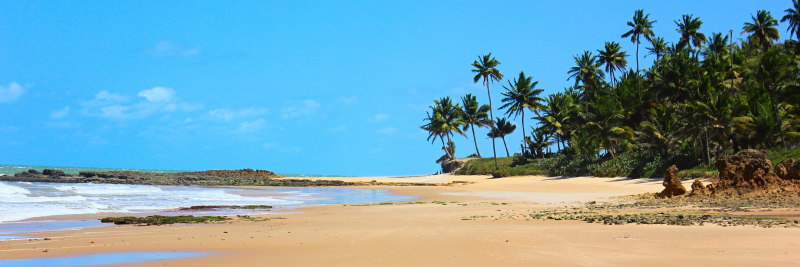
(558,110)
(586,71)
(612,58)
(503,128)
(443,120)
(520,94)
(658,49)
(775,71)
(485,67)
(538,141)
(689,28)
(793,17)
(762,31)
(474,116)
(642,27)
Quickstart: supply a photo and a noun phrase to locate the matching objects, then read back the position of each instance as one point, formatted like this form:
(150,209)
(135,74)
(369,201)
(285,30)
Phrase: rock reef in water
(205,178)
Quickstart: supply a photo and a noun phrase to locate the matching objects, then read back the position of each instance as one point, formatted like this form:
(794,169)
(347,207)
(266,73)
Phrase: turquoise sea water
(13,169)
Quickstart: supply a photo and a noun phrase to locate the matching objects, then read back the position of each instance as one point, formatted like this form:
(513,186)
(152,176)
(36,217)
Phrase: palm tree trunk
(705,142)
(504,144)
(476,140)
(558,142)
(446,151)
(494,149)
(775,113)
(524,143)
(638,82)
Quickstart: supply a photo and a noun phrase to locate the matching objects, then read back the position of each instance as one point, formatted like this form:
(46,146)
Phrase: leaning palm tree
(485,67)
(474,116)
(501,129)
(520,94)
(586,71)
(762,30)
(659,48)
(613,59)
(793,17)
(642,27)
(444,120)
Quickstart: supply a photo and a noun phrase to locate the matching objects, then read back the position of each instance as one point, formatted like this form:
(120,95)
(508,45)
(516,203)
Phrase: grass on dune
(485,166)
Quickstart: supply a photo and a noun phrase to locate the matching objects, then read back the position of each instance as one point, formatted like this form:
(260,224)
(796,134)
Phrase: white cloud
(348,100)
(57,114)
(158,94)
(251,126)
(228,115)
(295,109)
(157,100)
(168,49)
(388,130)
(378,117)
(105,95)
(11,93)
(116,111)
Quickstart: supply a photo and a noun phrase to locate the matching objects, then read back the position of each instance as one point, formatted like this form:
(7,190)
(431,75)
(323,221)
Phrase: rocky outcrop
(698,189)
(672,185)
(53,173)
(789,169)
(750,168)
(453,165)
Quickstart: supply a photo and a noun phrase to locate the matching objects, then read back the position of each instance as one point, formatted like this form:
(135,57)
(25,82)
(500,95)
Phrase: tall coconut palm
(659,48)
(503,128)
(474,116)
(586,71)
(689,28)
(521,94)
(793,17)
(612,58)
(762,30)
(641,27)
(486,69)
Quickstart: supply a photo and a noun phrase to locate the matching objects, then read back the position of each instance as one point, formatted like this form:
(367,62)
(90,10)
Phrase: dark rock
(53,173)
(672,185)
(32,171)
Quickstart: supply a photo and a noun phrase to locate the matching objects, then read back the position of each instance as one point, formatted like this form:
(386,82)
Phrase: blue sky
(319,87)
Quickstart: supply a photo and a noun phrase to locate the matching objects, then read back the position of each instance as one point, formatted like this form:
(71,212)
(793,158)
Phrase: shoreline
(467,225)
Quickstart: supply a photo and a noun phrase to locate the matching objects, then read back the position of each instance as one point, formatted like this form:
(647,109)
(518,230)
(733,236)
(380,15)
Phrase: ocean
(13,169)
(26,200)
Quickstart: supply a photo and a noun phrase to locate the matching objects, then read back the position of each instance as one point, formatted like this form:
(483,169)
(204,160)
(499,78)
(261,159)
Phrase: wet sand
(433,234)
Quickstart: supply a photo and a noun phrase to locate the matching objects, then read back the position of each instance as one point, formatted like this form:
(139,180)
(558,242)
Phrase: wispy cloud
(388,130)
(295,109)
(11,93)
(157,94)
(348,100)
(167,48)
(57,114)
(228,115)
(251,126)
(157,99)
(378,117)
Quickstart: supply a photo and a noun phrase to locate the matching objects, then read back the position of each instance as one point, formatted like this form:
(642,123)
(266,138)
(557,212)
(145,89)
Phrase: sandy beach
(468,225)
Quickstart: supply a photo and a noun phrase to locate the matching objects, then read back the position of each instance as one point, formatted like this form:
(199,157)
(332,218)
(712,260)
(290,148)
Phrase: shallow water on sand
(100,259)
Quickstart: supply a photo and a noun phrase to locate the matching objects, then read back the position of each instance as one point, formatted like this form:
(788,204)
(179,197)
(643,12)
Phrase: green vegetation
(704,97)
(159,220)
